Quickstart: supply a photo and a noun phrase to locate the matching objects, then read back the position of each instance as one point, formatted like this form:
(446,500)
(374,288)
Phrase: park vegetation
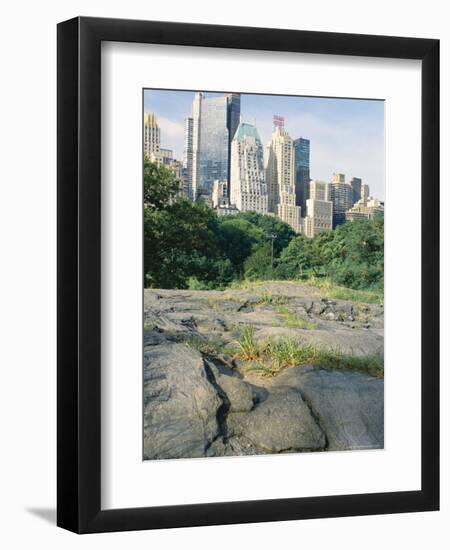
(268,358)
(186,245)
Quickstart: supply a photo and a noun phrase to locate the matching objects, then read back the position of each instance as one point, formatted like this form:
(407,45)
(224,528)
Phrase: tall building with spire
(248,189)
(152,135)
(160,155)
(280,177)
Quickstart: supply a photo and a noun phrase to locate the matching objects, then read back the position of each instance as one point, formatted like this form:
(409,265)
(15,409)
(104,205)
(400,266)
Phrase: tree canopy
(160,185)
(352,255)
(187,245)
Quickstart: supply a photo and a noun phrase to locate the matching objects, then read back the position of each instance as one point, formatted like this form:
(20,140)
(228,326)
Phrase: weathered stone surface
(198,405)
(238,393)
(349,406)
(180,404)
(234,446)
(282,423)
(339,324)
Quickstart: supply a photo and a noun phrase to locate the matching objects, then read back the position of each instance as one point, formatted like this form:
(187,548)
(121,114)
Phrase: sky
(346,135)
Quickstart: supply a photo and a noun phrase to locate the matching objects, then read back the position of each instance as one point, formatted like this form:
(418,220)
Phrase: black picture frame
(79,280)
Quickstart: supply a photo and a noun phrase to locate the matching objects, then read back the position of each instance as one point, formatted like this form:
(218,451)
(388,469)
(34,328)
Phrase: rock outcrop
(199,404)
(180,404)
(194,409)
(348,405)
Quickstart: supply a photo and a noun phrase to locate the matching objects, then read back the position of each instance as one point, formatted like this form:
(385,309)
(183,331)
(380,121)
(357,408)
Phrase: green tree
(187,245)
(352,255)
(180,237)
(271,226)
(236,238)
(179,242)
(358,260)
(160,185)
(259,264)
(295,259)
(322,251)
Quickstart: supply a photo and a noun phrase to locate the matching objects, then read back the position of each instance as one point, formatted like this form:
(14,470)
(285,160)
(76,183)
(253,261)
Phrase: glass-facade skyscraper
(233,121)
(302,171)
(233,114)
(214,143)
(214,122)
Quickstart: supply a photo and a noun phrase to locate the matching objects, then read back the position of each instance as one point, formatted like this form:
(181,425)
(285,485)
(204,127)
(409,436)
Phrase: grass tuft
(293,321)
(267,298)
(327,289)
(206,345)
(270,358)
(248,349)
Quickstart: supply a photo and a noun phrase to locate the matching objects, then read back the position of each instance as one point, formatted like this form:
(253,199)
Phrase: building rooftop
(246,130)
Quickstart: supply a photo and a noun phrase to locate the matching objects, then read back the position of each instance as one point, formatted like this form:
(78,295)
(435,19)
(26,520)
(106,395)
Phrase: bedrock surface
(195,408)
(199,404)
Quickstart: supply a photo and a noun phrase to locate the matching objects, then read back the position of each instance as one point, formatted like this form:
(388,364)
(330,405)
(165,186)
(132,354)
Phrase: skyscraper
(280,177)
(219,194)
(342,198)
(319,209)
(152,135)
(214,119)
(152,142)
(233,120)
(365,193)
(355,184)
(319,190)
(302,171)
(187,154)
(248,189)
(160,155)
(233,114)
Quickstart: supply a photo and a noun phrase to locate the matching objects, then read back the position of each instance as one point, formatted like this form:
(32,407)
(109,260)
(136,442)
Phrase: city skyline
(346,135)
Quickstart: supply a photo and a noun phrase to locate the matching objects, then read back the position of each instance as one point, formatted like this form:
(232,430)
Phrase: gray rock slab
(349,406)
(180,404)
(281,423)
(238,392)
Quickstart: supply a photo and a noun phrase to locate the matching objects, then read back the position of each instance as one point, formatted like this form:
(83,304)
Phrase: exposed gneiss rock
(338,324)
(180,404)
(349,405)
(239,394)
(201,405)
(193,408)
(281,423)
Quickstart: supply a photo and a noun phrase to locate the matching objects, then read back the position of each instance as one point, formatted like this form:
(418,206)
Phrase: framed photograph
(248,256)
